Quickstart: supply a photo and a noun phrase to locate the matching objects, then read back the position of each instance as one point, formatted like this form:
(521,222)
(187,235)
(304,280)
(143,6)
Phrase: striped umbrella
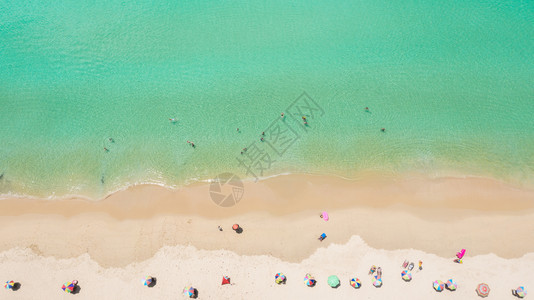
(438,285)
(279,278)
(406,275)
(451,285)
(521,292)
(189,292)
(68,287)
(309,280)
(9,284)
(147,280)
(356,283)
(483,290)
(377,282)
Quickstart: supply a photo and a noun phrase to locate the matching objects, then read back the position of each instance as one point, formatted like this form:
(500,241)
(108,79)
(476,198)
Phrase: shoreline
(280,218)
(361,176)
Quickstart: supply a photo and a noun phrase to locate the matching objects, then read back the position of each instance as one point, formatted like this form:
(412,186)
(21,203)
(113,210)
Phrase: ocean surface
(451,82)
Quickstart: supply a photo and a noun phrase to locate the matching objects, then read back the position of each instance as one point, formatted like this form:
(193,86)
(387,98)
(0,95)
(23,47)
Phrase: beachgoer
(220,229)
(263,133)
(304,118)
(111,140)
(405,264)
(379,272)
(244,149)
(261,139)
(321,215)
(410,267)
(383,129)
(173,120)
(420,265)
(282,115)
(372,270)
(367,108)
(106,149)
(237,130)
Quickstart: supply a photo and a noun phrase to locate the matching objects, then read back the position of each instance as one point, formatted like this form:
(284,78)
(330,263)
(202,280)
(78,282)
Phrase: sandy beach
(110,244)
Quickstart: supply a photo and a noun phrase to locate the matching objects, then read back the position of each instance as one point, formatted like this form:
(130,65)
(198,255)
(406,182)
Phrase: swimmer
(383,129)
(106,149)
(304,118)
(263,133)
(367,109)
(173,120)
(237,129)
(261,139)
(244,149)
(111,140)
(282,115)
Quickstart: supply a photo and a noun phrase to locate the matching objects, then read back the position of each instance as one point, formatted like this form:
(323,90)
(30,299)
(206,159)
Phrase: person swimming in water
(172,120)
(261,139)
(383,129)
(106,149)
(282,115)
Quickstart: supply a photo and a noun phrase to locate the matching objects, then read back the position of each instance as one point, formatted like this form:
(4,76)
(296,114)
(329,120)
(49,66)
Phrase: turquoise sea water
(451,81)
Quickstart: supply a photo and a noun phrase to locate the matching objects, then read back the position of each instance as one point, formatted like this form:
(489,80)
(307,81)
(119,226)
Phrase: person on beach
(420,265)
(220,229)
(379,272)
(372,270)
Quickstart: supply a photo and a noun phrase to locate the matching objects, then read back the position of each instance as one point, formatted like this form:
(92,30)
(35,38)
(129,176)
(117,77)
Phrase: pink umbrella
(324,215)
(460,254)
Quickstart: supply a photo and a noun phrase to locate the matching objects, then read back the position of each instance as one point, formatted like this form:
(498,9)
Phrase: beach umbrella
(9,284)
(521,292)
(483,290)
(309,280)
(68,287)
(451,285)
(406,275)
(356,283)
(189,292)
(438,285)
(225,280)
(333,281)
(377,282)
(147,280)
(279,278)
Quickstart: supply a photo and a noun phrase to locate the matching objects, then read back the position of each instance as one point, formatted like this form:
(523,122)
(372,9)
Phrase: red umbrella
(226,280)
(235,227)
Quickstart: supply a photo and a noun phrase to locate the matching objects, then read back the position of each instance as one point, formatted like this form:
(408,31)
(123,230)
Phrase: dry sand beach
(111,244)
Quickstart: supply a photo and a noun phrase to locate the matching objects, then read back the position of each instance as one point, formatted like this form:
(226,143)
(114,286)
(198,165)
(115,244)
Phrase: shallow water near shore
(451,83)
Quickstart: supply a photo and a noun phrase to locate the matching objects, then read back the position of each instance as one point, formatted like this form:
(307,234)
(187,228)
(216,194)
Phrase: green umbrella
(333,281)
